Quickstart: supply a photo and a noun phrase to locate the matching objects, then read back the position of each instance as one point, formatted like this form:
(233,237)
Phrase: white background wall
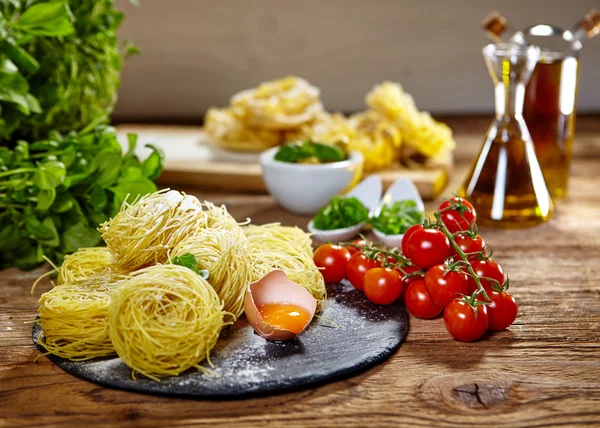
(197,53)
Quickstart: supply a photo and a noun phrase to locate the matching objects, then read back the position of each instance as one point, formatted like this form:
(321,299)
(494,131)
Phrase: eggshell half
(276,287)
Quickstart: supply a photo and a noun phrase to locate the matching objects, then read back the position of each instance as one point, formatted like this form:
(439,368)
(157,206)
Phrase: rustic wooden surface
(543,371)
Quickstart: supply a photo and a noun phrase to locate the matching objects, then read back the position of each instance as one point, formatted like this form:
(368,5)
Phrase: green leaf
(31,257)
(153,164)
(79,236)
(19,56)
(308,150)
(96,198)
(133,188)
(107,166)
(53,240)
(49,174)
(63,203)
(37,229)
(186,260)
(132,143)
(10,237)
(45,199)
(46,19)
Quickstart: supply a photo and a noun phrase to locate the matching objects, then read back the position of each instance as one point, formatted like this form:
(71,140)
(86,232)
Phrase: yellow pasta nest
(217,217)
(144,233)
(419,130)
(226,130)
(88,263)
(224,254)
(279,104)
(288,248)
(74,320)
(165,320)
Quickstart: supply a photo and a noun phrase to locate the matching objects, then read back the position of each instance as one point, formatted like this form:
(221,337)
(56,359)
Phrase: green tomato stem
(462,255)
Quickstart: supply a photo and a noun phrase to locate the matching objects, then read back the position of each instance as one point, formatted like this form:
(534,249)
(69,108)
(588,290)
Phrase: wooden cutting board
(190,162)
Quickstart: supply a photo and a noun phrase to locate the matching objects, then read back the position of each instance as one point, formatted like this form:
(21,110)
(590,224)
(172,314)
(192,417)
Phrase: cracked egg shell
(277,288)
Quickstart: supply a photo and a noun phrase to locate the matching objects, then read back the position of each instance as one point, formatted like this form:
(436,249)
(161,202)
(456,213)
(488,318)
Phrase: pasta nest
(279,104)
(419,130)
(164,320)
(74,320)
(144,233)
(226,130)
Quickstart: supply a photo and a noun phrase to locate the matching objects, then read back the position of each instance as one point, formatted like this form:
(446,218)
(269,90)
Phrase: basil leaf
(46,19)
(79,236)
(153,164)
(186,260)
(45,199)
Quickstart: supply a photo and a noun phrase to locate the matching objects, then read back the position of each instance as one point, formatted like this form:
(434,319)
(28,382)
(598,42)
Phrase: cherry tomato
(383,285)
(407,280)
(454,220)
(427,248)
(502,311)
(465,322)
(357,267)
(359,244)
(443,288)
(488,268)
(418,302)
(407,235)
(333,258)
(468,244)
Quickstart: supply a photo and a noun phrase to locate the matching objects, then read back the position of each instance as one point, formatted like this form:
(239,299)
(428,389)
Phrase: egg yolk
(284,316)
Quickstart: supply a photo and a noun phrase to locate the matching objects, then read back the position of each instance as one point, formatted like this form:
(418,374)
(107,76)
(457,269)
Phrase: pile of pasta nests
(289,109)
(131,299)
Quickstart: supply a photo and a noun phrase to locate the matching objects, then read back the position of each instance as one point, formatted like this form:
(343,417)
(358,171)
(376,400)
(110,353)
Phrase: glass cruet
(505,184)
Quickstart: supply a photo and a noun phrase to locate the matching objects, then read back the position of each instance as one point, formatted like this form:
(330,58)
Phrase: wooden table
(544,370)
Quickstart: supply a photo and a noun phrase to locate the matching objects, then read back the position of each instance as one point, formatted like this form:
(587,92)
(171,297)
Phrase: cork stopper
(591,23)
(495,25)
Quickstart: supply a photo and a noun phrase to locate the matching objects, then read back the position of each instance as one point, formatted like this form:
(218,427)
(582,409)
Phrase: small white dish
(368,192)
(304,188)
(401,190)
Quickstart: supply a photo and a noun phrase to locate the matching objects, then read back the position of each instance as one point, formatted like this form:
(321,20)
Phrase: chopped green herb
(309,151)
(395,219)
(341,212)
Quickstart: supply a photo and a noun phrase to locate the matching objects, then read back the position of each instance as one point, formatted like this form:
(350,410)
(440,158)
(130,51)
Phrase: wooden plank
(543,371)
(189,162)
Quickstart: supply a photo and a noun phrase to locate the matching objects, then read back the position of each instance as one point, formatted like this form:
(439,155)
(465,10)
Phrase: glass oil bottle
(506,184)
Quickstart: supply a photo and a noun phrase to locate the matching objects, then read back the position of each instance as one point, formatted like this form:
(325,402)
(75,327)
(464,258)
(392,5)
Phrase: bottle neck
(509,100)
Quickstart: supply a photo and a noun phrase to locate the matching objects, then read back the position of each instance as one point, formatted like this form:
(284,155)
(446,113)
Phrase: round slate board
(248,365)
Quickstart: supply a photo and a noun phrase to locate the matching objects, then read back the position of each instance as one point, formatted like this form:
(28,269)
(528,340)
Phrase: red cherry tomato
(502,311)
(468,244)
(418,302)
(333,258)
(490,269)
(454,220)
(465,322)
(383,285)
(357,267)
(406,279)
(427,248)
(443,288)
(358,245)
(407,235)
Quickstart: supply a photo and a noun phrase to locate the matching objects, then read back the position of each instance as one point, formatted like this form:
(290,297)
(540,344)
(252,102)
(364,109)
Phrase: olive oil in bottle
(506,185)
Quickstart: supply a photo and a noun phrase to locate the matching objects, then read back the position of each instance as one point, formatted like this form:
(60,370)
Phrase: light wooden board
(190,163)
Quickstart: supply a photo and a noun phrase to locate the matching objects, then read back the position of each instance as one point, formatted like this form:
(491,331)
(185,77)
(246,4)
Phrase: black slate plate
(248,365)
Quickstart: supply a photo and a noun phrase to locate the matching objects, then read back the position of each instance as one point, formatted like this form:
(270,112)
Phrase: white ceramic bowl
(368,192)
(401,190)
(304,188)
